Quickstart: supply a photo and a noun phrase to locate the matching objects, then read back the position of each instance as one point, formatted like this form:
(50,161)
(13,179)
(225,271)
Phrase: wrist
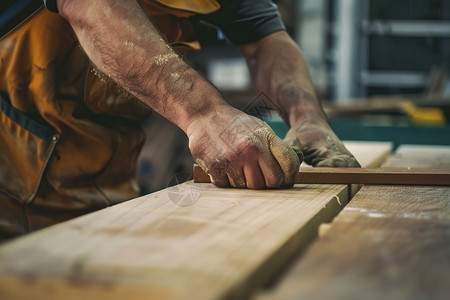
(304,113)
(182,95)
(299,106)
(204,104)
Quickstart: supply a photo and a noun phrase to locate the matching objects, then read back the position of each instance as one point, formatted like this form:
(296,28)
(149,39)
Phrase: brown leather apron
(69,140)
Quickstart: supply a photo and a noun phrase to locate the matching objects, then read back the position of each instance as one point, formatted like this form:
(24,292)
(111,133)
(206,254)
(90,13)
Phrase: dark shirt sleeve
(245,21)
(51,5)
(13,12)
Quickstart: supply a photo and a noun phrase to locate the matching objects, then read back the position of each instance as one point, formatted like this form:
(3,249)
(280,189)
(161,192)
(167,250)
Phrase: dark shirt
(245,21)
(13,12)
(242,21)
(51,5)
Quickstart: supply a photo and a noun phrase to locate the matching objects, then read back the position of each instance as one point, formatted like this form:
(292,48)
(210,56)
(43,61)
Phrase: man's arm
(234,148)
(279,69)
(123,44)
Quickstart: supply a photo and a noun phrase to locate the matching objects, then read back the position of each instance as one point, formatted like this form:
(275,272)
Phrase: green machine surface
(397,133)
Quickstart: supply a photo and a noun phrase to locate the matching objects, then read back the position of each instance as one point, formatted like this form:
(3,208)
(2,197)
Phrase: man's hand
(238,150)
(279,69)
(320,145)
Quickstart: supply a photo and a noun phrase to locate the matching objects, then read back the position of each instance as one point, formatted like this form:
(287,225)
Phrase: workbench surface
(196,241)
(389,242)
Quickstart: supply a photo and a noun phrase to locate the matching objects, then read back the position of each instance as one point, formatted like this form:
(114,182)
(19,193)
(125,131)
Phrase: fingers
(224,174)
(218,173)
(340,161)
(330,157)
(236,177)
(252,157)
(254,177)
(320,145)
(272,166)
(276,164)
(273,175)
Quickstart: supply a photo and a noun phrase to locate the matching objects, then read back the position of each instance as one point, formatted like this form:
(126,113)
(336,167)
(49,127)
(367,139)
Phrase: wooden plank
(365,152)
(191,241)
(221,246)
(390,242)
(419,156)
(376,176)
(392,176)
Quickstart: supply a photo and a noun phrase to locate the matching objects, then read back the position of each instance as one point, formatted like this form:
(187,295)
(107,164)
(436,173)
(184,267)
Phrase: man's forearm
(123,44)
(279,69)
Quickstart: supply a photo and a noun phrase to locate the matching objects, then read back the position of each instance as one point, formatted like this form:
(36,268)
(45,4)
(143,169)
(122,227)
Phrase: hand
(239,150)
(320,145)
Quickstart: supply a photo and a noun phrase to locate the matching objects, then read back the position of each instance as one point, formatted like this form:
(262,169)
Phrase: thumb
(287,158)
(292,140)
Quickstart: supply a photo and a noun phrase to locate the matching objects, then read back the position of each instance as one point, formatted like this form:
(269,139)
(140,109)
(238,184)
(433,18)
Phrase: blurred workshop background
(380,68)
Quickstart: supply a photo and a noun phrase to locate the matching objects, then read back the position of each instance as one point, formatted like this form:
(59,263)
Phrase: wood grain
(221,246)
(393,176)
(191,241)
(419,156)
(390,242)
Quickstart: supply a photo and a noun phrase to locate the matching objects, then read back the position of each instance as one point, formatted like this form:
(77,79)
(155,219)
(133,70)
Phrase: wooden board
(363,153)
(419,156)
(392,176)
(191,241)
(390,242)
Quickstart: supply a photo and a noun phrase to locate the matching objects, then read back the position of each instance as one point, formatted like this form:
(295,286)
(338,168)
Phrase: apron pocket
(25,149)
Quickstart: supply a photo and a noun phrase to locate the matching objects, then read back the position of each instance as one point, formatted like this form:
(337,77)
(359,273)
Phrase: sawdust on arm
(123,44)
